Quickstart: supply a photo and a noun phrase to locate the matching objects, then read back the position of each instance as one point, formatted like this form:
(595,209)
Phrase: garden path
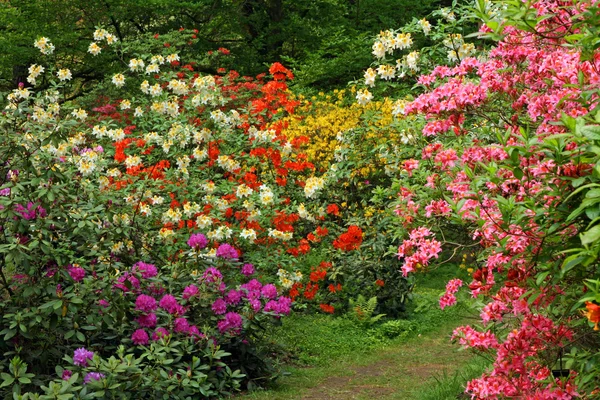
(399,371)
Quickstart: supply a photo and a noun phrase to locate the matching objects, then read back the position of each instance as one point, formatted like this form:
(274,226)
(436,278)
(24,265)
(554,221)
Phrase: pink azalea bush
(506,154)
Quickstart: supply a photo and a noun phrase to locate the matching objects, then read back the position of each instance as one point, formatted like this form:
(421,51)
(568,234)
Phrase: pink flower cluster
(449,298)
(417,251)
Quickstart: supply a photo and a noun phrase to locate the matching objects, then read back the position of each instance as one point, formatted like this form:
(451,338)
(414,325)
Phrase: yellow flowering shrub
(325,117)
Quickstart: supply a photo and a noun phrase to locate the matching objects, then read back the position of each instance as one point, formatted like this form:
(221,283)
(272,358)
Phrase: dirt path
(395,372)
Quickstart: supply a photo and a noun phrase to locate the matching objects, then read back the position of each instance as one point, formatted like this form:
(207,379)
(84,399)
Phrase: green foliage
(362,310)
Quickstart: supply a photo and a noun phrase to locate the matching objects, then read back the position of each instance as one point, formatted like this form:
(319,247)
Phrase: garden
(276,199)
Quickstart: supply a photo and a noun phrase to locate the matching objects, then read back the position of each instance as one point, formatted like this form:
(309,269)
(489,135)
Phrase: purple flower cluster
(212,275)
(140,337)
(219,307)
(77,273)
(227,251)
(92,376)
(31,212)
(160,333)
(147,320)
(169,304)
(281,307)
(197,241)
(247,269)
(145,303)
(232,323)
(134,282)
(147,270)
(269,291)
(190,291)
(81,357)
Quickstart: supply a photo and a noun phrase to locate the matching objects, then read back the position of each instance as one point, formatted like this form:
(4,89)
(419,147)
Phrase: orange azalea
(592,314)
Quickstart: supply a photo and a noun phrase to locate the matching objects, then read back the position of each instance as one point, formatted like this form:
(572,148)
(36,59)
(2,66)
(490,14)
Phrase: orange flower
(592,314)
(327,308)
(379,282)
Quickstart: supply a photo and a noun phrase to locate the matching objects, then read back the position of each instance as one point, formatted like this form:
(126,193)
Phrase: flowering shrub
(505,165)
(149,238)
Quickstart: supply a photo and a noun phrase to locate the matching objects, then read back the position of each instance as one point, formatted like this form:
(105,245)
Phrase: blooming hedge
(506,167)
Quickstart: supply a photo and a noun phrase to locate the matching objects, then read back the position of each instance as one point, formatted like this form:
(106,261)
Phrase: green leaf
(591,235)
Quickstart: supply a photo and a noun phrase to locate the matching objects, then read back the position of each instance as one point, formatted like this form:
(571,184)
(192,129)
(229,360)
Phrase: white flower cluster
(457,48)
(264,136)
(287,279)
(313,185)
(276,234)
(44,45)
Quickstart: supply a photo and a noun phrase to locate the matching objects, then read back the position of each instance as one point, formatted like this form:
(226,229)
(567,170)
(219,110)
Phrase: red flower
(333,209)
(327,308)
(379,282)
(350,240)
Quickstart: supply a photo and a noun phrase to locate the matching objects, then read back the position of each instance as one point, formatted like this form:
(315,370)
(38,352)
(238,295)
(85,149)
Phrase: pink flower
(77,273)
(140,337)
(169,304)
(145,303)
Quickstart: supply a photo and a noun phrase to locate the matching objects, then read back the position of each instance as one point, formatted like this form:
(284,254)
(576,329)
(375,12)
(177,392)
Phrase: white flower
(155,90)
(118,80)
(398,107)
(138,112)
(411,60)
(378,50)
(249,234)
(135,64)
(80,114)
(403,41)
(64,74)
(363,97)
(110,38)
(125,105)
(94,49)
(158,59)
(100,34)
(44,45)
(152,69)
(172,57)
(370,76)
(425,25)
(313,185)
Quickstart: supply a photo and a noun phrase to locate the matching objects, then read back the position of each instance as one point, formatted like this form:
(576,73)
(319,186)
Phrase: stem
(4,281)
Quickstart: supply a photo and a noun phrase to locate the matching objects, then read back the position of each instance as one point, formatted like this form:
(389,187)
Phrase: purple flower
(227,251)
(190,291)
(219,307)
(280,307)
(212,275)
(181,325)
(252,286)
(255,304)
(31,211)
(66,375)
(231,324)
(147,321)
(134,282)
(169,304)
(194,331)
(145,303)
(197,241)
(92,376)
(269,291)
(5,192)
(77,273)
(247,269)
(81,357)
(233,297)
(103,303)
(160,333)
(147,270)
(140,337)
